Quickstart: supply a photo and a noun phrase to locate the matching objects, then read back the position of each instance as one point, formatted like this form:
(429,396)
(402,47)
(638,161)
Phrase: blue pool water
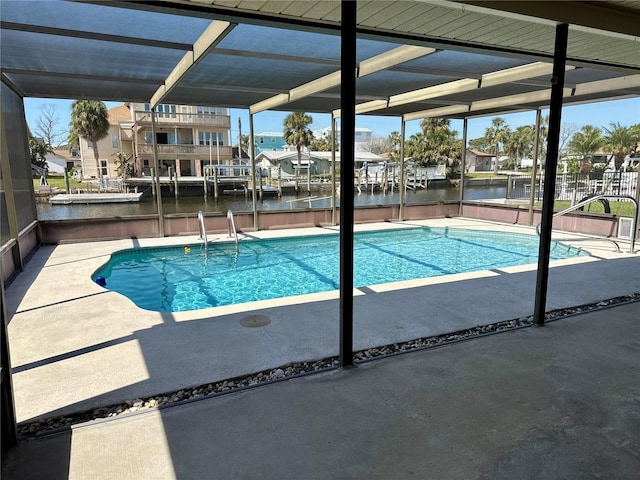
(174,279)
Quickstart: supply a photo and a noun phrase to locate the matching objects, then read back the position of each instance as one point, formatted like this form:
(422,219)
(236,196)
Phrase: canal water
(238,203)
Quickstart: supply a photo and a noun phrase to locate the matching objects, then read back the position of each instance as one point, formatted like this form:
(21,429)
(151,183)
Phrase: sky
(600,114)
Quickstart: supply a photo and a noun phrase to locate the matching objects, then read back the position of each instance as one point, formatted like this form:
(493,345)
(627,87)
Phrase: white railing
(204,151)
(207,119)
(634,224)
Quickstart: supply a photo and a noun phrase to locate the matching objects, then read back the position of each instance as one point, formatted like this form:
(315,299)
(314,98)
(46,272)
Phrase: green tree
(481,144)
(415,147)
(497,133)
(297,133)
(544,133)
(38,150)
(245,141)
(72,140)
(394,145)
(323,144)
(124,167)
(585,143)
(620,140)
(442,143)
(90,120)
(519,144)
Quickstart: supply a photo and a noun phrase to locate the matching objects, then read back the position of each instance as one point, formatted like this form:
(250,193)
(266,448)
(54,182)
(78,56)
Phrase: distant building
(478,161)
(318,162)
(187,137)
(363,136)
(287,161)
(62,158)
(269,141)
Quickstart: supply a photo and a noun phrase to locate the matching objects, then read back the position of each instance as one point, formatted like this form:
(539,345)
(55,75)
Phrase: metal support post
(553,140)
(534,171)
(463,164)
(254,193)
(401,179)
(347,148)
(157,175)
(333,170)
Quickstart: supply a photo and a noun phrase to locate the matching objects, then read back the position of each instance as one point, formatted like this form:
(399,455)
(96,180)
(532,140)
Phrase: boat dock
(90,198)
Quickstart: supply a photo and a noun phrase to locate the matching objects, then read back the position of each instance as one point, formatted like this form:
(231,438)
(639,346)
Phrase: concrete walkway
(558,402)
(76,346)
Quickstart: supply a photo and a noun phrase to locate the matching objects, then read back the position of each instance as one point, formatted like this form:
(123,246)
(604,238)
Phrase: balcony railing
(201,151)
(175,118)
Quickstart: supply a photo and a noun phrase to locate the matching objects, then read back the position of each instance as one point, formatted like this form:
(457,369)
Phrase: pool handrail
(634,223)
(232,226)
(203,231)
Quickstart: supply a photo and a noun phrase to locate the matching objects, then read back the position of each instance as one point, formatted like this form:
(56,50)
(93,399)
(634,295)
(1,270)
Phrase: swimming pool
(174,279)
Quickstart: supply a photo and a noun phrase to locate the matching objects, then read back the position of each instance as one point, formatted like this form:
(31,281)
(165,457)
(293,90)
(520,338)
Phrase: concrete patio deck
(76,346)
(556,402)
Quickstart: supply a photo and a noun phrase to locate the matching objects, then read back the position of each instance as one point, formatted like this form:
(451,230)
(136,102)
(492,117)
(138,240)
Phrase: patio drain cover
(253,321)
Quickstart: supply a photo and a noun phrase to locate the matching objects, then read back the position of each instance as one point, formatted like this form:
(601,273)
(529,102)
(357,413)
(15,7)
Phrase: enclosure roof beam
(540,98)
(371,65)
(601,86)
(214,33)
(499,77)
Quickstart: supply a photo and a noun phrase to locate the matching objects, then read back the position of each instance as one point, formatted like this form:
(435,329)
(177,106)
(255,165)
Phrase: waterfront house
(285,162)
(188,138)
(269,141)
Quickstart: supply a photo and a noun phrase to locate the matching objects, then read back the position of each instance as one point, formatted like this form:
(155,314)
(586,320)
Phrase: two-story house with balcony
(188,138)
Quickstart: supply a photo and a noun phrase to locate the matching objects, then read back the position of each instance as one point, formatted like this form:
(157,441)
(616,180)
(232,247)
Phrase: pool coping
(595,250)
(81,346)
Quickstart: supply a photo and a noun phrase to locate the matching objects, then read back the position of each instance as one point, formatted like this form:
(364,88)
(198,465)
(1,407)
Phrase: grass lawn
(621,209)
(481,175)
(58,182)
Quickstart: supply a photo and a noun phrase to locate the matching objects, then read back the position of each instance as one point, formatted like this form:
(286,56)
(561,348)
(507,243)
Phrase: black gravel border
(54,425)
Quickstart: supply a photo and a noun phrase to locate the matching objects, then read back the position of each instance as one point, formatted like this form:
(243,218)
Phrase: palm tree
(441,142)
(415,147)
(497,133)
(90,120)
(586,142)
(519,143)
(621,141)
(297,132)
(38,150)
(394,145)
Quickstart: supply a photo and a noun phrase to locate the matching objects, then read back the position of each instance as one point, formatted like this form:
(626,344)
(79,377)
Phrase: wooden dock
(91,198)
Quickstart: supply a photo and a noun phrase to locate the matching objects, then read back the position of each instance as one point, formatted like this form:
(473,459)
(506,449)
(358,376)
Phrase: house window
(261,139)
(166,111)
(115,141)
(89,144)
(273,139)
(210,138)
(104,168)
(203,110)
